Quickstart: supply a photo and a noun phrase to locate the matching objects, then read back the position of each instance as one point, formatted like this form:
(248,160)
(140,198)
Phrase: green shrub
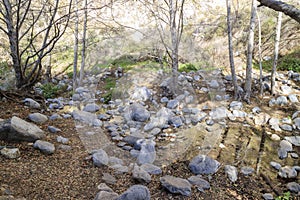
(4,68)
(285,196)
(50,90)
(187,67)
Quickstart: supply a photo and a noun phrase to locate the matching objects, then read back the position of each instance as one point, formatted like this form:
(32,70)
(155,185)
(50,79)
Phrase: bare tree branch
(280,6)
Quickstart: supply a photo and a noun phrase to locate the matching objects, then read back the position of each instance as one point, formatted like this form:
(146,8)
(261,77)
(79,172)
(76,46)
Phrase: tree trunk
(260,55)
(276,50)
(230,48)
(280,6)
(248,83)
(49,68)
(13,41)
(83,44)
(75,61)
(174,36)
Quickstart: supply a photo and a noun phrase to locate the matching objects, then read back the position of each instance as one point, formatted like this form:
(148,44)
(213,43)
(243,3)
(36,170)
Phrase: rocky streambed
(156,119)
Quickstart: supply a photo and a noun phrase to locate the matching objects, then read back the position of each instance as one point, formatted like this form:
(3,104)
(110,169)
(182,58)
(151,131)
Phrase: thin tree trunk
(75,47)
(276,50)
(13,40)
(83,44)
(248,83)
(49,68)
(174,36)
(230,48)
(260,55)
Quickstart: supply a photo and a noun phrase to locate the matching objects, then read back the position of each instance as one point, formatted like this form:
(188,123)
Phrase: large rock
(176,185)
(287,172)
(161,120)
(141,94)
(137,112)
(86,117)
(293,98)
(172,104)
(31,103)
(100,158)
(136,192)
(20,130)
(10,153)
(219,113)
(203,164)
(297,122)
(92,107)
(106,195)
(147,153)
(261,119)
(231,172)
(200,183)
(38,118)
(151,169)
(140,175)
(44,146)
(281,100)
(284,147)
(295,140)
(236,105)
(293,187)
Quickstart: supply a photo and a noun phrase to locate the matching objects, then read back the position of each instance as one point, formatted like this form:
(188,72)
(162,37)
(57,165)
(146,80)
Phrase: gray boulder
(274,123)
(176,121)
(218,113)
(293,98)
(176,185)
(200,183)
(261,119)
(172,104)
(31,103)
(281,100)
(53,129)
(92,107)
(297,122)
(10,153)
(81,90)
(44,146)
(137,112)
(231,172)
(151,169)
(136,192)
(236,105)
(147,153)
(275,165)
(38,118)
(140,175)
(100,158)
(286,127)
(247,170)
(20,130)
(286,89)
(86,117)
(268,196)
(284,147)
(106,195)
(293,187)
(214,84)
(287,172)
(133,140)
(141,94)
(161,119)
(203,164)
(295,140)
